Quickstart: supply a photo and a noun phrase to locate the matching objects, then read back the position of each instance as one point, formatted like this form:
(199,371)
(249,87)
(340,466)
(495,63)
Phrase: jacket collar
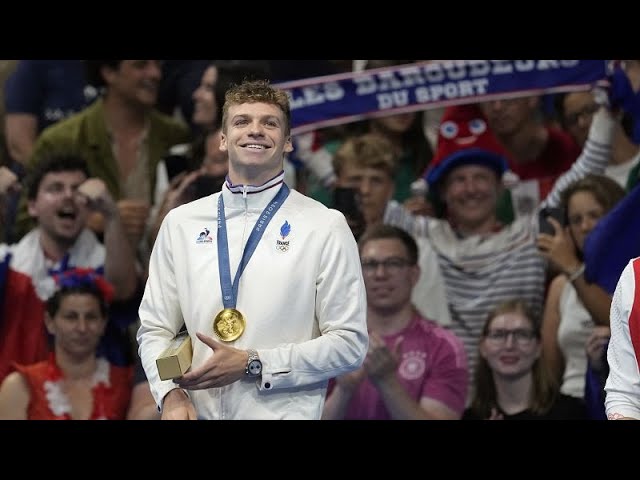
(257,196)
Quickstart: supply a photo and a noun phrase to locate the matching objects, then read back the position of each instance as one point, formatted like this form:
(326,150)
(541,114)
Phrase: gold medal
(229,324)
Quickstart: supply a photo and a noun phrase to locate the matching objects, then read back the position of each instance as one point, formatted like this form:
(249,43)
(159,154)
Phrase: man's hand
(419,206)
(93,194)
(178,406)
(134,214)
(225,366)
(381,362)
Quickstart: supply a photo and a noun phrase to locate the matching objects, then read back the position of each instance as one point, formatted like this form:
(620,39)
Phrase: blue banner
(337,99)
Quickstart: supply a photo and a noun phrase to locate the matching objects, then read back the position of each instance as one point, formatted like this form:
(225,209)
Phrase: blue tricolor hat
(463,139)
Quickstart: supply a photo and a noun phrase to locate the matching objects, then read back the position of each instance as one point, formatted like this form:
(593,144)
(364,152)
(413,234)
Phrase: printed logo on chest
(413,365)
(282,244)
(204,237)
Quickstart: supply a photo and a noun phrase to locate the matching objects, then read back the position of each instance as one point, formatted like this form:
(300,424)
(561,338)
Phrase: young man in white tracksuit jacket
(298,310)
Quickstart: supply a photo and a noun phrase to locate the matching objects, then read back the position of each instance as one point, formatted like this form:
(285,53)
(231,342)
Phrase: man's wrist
(253,367)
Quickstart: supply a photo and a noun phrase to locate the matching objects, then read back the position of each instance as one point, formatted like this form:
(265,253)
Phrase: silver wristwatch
(254,365)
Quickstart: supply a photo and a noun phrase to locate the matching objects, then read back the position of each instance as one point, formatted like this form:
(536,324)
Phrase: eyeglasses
(521,336)
(572,118)
(391,265)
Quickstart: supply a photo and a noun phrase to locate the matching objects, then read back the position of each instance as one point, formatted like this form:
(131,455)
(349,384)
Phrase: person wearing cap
(483,261)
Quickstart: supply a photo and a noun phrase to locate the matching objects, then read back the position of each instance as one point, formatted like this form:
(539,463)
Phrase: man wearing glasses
(414,368)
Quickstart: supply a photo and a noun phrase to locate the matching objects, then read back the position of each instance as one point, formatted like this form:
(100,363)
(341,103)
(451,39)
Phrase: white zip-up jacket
(623,354)
(302,295)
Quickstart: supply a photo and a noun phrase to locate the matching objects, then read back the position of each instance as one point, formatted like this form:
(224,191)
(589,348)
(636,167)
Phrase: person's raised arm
(592,160)
(8,182)
(21,131)
(561,251)
(120,262)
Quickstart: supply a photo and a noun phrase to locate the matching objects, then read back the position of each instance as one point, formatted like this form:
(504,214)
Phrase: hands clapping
(381,362)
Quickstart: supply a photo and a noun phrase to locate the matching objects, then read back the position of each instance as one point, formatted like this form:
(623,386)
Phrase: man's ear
(108,73)
(288,145)
(223,142)
(415,274)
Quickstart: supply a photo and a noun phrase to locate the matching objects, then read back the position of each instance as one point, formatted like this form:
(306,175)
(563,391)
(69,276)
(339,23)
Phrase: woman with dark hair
(73,383)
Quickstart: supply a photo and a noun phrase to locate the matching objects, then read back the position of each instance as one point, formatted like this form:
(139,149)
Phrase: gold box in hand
(176,359)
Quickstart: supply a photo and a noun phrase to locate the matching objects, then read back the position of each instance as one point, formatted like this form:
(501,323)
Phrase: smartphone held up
(544,225)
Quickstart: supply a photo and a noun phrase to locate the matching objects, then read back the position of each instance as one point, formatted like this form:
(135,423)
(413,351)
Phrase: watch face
(255,367)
